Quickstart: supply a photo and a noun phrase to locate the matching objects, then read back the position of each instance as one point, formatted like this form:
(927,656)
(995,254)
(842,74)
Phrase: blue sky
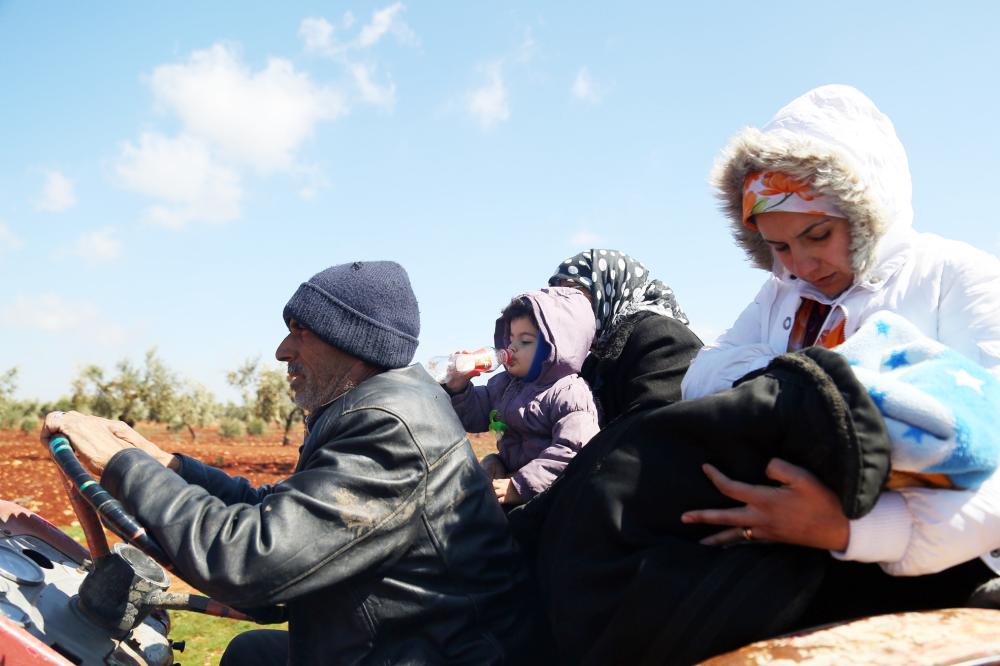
(170,172)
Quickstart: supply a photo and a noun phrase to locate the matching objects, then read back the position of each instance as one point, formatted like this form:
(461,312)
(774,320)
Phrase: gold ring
(748,533)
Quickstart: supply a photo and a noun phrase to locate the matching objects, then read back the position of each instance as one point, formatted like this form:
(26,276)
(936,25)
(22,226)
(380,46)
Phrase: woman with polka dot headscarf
(643,345)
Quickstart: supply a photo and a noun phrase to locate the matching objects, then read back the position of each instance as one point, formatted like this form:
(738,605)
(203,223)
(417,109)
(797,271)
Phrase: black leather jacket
(386,545)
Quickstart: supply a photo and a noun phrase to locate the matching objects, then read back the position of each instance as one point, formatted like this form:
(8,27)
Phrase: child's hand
(456,383)
(506,492)
(494,467)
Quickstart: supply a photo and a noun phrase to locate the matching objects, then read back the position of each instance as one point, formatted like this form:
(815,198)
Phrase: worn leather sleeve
(229,489)
(351,505)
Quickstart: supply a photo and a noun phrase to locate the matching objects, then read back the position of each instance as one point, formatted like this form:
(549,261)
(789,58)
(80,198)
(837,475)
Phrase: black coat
(641,365)
(386,545)
(624,581)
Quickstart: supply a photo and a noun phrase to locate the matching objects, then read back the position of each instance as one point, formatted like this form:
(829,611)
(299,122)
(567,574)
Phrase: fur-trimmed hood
(836,138)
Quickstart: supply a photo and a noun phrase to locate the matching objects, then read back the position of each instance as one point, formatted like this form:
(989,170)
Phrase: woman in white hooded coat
(837,142)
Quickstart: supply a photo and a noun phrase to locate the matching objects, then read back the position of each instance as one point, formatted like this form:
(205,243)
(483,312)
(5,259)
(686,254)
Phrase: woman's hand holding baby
(800,511)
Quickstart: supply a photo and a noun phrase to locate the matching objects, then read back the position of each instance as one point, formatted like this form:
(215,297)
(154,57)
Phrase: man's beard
(305,395)
(314,392)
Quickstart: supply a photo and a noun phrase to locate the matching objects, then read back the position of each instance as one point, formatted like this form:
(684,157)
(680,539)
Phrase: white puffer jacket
(837,138)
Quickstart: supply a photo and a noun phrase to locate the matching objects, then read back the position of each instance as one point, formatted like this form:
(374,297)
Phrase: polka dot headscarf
(619,285)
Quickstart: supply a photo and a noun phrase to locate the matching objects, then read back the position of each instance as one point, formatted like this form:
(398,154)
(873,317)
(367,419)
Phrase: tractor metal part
(13,613)
(40,625)
(116,595)
(16,567)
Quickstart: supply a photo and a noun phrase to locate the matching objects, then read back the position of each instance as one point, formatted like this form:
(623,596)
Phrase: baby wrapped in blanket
(941,409)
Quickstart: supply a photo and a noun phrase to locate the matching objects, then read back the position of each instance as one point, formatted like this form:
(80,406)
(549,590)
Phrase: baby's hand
(506,492)
(456,383)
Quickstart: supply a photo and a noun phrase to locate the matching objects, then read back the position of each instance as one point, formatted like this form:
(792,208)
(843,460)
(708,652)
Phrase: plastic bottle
(467,363)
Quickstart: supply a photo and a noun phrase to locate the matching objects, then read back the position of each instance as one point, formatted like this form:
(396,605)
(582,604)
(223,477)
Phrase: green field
(205,637)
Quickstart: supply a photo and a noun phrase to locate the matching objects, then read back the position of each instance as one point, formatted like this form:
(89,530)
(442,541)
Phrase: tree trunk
(285,441)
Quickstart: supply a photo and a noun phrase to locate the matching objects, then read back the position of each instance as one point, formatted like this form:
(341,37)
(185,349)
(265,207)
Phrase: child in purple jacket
(545,410)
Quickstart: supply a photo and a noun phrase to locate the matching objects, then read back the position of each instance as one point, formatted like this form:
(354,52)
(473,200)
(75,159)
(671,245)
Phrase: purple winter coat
(551,418)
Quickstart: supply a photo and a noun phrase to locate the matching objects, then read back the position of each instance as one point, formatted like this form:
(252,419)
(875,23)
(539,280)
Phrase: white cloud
(97,246)
(258,118)
(586,239)
(371,92)
(182,173)
(384,20)
(48,312)
(8,241)
(317,34)
(233,118)
(584,88)
(58,193)
(488,104)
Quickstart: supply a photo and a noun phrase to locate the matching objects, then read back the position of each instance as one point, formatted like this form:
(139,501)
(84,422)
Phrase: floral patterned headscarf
(776,192)
(619,286)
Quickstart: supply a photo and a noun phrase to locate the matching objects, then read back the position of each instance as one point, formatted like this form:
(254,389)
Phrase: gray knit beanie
(366,309)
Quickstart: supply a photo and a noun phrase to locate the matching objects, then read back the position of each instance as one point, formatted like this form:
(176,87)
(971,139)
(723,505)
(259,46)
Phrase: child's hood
(565,321)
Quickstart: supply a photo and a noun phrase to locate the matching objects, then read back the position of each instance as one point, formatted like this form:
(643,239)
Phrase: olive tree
(11,412)
(193,406)
(117,397)
(23,414)
(150,392)
(266,395)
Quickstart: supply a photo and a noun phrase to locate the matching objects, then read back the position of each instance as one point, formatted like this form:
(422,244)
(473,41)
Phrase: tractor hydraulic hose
(107,507)
(99,502)
(196,603)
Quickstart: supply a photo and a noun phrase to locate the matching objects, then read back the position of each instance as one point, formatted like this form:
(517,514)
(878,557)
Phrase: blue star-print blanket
(942,410)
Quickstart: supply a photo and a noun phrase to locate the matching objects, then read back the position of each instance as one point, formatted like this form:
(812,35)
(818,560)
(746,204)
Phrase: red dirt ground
(29,477)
